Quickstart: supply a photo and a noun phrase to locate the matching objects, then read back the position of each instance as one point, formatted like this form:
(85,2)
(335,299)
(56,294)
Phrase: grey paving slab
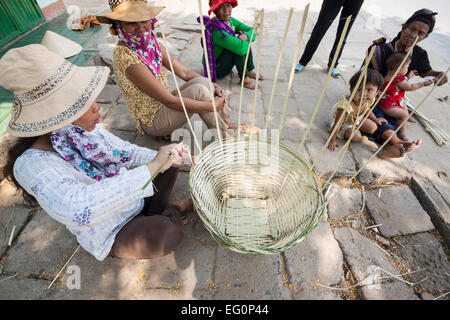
(234,99)
(20,288)
(248,276)
(11,219)
(325,165)
(346,202)
(110,94)
(422,251)
(362,255)
(398,211)
(434,205)
(47,242)
(381,170)
(178,275)
(119,117)
(318,259)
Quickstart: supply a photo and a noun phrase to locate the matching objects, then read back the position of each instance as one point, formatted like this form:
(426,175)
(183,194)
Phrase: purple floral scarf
(210,25)
(146,47)
(89,152)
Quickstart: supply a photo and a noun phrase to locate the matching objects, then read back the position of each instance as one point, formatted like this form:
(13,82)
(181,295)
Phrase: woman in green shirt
(227,41)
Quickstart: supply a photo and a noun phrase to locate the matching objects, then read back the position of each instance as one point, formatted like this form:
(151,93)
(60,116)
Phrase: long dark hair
(14,152)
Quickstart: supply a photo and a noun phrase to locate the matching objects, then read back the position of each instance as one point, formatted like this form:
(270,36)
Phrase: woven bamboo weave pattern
(236,191)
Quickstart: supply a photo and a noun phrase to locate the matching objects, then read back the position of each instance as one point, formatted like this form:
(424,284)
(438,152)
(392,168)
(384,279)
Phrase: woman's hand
(220,102)
(218,91)
(443,81)
(380,121)
(175,150)
(243,36)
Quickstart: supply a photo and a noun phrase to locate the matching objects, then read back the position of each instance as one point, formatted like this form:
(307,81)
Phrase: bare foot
(410,146)
(412,120)
(403,137)
(252,74)
(249,83)
(186,205)
(392,151)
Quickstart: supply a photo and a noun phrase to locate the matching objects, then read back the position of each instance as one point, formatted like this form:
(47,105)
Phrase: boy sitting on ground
(346,116)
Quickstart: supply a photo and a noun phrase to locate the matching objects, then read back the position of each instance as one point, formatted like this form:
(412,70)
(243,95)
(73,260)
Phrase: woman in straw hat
(227,40)
(79,173)
(139,62)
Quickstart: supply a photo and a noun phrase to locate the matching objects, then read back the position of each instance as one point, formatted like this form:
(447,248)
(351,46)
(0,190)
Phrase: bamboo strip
(245,68)
(205,53)
(63,267)
(363,74)
(277,69)
(179,94)
(380,148)
(401,125)
(347,144)
(341,40)
(294,63)
(258,66)
(438,134)
(316,109)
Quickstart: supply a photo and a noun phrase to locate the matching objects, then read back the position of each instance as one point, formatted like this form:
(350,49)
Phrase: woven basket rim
(224,240)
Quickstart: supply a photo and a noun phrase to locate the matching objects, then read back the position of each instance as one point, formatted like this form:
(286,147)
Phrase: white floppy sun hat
(49,91)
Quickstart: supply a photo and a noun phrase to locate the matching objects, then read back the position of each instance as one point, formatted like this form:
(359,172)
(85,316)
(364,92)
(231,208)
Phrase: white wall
(45,3)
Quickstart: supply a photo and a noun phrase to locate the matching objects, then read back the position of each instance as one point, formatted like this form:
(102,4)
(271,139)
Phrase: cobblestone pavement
(384,237)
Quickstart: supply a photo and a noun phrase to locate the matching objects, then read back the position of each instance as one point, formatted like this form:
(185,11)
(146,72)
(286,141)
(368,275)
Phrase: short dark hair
(395,60)
(373,77)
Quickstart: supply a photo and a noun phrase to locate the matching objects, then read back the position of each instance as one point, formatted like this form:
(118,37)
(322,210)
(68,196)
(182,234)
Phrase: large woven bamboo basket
(256,196)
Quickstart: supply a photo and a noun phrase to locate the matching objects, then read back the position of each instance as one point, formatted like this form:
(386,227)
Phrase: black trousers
(329,12)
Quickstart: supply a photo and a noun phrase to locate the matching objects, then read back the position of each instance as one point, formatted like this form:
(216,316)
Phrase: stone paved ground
(384,237)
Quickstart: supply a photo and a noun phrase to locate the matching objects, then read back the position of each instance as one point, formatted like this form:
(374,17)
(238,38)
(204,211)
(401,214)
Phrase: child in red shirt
(393,101)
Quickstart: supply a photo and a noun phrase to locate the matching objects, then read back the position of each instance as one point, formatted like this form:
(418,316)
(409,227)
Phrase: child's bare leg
(356,138)
(407,111)
(369,126)
(394,140)
(401,116)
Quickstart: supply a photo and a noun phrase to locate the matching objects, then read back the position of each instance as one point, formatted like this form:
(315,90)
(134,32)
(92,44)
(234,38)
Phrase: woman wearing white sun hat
(80,174)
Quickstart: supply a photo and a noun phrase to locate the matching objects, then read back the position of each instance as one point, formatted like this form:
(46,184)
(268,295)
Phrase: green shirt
(231,43)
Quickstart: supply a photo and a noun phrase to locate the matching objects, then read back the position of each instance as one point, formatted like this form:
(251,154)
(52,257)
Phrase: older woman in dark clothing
(420,25)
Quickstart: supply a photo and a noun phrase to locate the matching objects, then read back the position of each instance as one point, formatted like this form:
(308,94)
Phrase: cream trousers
(167,119)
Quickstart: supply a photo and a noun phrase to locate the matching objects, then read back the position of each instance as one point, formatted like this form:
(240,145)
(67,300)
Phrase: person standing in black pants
(329,12)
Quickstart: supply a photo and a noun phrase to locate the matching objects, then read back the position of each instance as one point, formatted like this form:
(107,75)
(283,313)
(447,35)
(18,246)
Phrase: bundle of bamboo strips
(438,134)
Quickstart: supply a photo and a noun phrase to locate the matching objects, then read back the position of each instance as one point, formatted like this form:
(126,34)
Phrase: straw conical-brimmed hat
(129,11)
(60,45)
(49,91)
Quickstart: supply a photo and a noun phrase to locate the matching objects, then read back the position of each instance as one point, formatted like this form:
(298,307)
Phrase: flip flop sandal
(335,73)
(299,68)
(249,129)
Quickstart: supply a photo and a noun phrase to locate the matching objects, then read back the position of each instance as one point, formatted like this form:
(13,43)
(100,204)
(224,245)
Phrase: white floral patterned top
(93,211)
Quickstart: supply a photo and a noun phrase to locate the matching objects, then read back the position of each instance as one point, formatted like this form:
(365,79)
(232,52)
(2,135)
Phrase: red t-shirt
(393,97)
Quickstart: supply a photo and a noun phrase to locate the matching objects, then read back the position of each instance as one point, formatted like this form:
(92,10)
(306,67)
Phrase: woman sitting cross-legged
(227,41)
(139,66)
(82,175)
